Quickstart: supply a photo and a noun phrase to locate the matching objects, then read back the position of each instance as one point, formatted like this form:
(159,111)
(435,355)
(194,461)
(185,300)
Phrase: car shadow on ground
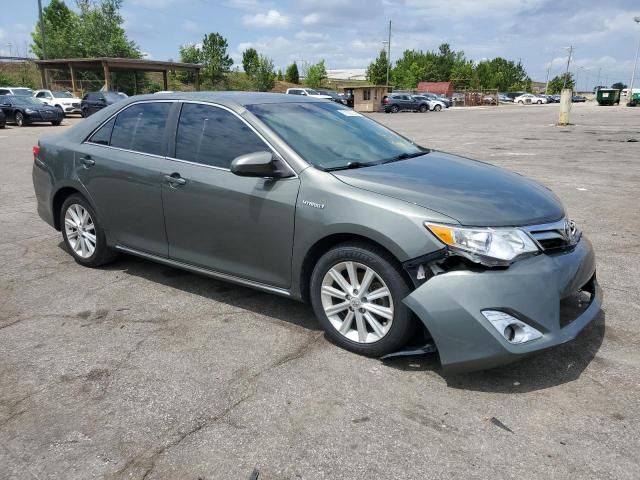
(545,369)
(276,307)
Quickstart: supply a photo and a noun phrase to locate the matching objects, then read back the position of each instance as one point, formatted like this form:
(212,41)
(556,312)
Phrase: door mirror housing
(257,164)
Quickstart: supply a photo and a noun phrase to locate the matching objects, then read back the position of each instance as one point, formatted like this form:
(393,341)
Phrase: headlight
(489,246)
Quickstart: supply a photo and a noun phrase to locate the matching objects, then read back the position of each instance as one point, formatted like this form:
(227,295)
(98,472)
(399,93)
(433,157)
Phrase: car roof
(234,100)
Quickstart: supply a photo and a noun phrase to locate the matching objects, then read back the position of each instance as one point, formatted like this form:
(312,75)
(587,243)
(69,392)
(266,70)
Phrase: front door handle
(175,179)
(87,161)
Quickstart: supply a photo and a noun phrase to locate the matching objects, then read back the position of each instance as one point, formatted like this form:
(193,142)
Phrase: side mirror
(257,164)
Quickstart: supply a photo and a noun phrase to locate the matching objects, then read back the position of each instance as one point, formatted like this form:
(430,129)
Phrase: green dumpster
(608,96)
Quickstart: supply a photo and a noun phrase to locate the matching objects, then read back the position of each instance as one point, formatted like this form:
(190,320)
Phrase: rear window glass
(141,128)
(103,135)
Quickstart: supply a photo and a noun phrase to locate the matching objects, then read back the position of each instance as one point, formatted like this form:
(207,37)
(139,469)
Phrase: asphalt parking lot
(140,371)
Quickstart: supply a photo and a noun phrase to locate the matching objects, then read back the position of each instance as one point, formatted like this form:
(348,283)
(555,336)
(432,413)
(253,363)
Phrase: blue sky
(349,33)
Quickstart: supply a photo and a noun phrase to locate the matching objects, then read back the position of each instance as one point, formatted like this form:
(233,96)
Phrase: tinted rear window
(103,135)
(142,128)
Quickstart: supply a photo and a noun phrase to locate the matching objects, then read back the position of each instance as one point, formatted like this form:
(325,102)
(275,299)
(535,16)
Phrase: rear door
(121,167)
(240,226)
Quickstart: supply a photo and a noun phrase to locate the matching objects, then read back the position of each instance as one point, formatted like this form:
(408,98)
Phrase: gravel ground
(145,372)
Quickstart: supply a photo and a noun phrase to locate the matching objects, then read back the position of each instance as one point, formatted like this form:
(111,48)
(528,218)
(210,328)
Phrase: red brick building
(439,88)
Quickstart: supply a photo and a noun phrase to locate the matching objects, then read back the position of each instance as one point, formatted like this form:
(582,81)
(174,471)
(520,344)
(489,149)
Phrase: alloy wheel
(80,230)
(357,302)
(19,119)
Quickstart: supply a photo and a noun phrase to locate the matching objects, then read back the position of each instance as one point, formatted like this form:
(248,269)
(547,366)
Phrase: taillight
(36,151)
(385,100)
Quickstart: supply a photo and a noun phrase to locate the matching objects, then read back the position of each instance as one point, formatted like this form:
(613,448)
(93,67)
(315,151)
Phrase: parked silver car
(393,244)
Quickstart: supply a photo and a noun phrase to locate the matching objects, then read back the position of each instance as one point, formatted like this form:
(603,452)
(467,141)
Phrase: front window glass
(330,136)
(141,128)
(213,136)
(62,95)
(113,96)
(311,91)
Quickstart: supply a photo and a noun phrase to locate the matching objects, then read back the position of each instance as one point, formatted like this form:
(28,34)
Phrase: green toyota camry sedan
(398,248)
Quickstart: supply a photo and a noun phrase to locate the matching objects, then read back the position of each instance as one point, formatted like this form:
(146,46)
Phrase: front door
(121,167)
(240,226)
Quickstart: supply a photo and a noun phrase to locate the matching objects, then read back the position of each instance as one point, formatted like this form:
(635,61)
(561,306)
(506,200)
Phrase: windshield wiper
(351,165)
(405,155)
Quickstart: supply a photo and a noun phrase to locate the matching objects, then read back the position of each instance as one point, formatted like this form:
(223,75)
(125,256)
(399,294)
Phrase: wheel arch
(328,242)
(58,198)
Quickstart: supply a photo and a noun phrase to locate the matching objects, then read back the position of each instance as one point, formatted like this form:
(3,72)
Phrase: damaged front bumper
(535,290)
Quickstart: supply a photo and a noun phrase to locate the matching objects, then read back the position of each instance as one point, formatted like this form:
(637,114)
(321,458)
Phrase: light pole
(388,43)
(633,74)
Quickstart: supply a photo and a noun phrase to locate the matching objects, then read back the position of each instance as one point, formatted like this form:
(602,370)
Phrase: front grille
(75,105)
(553,237)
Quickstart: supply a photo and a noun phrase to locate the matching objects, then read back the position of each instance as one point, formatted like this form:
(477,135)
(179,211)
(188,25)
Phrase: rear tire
(373,326)
(395,109)
(56,123)
(539,102)
(437,108)
(83,234)
(423,109)
(20,120)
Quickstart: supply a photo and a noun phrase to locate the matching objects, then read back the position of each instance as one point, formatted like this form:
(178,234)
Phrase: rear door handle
(175,179)
(87,161)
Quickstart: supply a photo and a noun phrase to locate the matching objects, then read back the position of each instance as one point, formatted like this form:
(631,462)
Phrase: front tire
(20,120)
(56,123)
(356,294)
(539,102)
(437,108)
(83,234)
(423,108)
(395,109)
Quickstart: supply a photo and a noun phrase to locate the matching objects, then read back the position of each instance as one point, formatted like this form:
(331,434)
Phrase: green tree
(280,76)
(250,60)
(214,58)
(556,84)
(292,75)
(189,53)
(264,77)
(100,30)
(502,74)
(316,74)
(61,26)
(377,70)
(619,86)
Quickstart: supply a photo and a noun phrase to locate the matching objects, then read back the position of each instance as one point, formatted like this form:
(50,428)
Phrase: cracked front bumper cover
(450,306)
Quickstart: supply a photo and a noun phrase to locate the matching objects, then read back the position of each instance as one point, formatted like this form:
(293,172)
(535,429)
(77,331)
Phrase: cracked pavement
(140,371)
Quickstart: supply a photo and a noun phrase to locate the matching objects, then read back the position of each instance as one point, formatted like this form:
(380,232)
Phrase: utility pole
(389,53)
(598,82)
(635,64)
(44,49)
(566,74)
(546,88)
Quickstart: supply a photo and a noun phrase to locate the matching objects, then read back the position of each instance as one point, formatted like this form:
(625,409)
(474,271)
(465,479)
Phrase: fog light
(512,329)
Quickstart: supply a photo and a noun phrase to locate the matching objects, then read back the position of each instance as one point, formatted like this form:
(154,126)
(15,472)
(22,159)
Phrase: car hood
(472,192)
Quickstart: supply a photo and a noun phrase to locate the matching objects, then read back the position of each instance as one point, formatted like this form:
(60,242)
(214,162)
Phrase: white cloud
(311,36)
(190,26)
(311,19)
(272,18)
(157,4)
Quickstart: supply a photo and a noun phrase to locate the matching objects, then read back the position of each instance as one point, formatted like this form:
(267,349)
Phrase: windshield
(26,101)
(27,92)
(330,136)
(62,95)
(311,92)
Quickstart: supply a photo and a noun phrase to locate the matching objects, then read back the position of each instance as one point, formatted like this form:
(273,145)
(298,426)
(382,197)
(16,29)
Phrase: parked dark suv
(394,245)
(94,101)
(396,102)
